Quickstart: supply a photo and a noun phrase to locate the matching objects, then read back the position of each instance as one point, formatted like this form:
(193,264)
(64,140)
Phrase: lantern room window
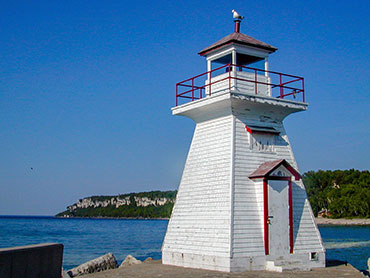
(248,60)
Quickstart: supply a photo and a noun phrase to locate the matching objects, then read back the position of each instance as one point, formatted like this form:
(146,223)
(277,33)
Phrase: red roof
(268,167)
(240,39)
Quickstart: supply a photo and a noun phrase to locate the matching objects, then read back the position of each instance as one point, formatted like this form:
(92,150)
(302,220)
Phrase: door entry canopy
(277,168)
(270,172)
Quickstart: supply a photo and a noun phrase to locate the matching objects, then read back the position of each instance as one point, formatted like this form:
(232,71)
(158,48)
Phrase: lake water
(86,239)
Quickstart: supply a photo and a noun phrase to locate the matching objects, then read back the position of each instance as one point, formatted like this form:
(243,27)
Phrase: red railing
(195,87)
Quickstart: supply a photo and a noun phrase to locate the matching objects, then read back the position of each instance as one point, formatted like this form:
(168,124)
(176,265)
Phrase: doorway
(278,214)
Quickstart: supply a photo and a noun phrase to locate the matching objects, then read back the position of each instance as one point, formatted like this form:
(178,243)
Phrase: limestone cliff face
(89,202)
(154,204)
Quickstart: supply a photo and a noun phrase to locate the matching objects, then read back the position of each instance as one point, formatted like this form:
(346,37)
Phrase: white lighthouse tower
(241,203)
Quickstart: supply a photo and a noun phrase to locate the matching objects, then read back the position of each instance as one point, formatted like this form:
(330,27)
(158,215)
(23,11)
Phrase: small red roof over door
(265,169)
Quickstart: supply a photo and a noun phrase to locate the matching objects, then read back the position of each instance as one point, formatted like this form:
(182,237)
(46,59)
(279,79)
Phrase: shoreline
(108,217)
(321,221)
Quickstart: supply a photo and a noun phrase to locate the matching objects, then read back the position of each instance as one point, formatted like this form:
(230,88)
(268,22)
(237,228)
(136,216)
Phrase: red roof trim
(202,53)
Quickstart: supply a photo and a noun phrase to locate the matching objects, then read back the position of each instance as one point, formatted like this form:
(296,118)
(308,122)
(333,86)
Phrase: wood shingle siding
(200,221)
(218,218)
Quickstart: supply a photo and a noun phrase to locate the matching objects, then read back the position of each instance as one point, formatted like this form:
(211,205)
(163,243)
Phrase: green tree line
(343,193)
(129,211)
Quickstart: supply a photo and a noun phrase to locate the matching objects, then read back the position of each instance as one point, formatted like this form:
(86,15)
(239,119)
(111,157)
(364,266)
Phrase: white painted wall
(247,240)
(217,220)
(200,221)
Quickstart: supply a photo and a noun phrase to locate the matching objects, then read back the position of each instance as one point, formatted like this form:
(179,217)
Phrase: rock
(130,260)
(65,274)
(108,261)
(148,260)
(368,264)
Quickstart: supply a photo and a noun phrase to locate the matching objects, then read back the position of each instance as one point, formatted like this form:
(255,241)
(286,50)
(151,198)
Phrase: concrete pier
(156,269)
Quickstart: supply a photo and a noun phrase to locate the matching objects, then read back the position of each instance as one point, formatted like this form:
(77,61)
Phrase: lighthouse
(241,203)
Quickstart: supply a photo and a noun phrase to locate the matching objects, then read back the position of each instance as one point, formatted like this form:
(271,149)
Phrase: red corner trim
(265,214)
(290,217)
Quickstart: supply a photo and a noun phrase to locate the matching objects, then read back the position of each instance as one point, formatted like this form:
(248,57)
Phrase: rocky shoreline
(342,221)
(103,263)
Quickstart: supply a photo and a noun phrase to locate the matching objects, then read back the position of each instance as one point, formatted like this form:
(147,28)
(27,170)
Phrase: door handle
(269,219)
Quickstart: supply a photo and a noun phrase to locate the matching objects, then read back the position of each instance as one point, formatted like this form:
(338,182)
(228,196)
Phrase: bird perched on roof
(236,15)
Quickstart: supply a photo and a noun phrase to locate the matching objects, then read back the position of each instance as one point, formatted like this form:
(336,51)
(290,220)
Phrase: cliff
(340,194)
(154,204)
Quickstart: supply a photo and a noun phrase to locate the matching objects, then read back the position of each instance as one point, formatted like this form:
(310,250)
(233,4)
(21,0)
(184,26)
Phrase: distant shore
(108,217)
(342,221)
(319,220)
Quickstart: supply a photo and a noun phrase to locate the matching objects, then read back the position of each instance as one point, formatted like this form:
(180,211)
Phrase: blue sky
(86,89)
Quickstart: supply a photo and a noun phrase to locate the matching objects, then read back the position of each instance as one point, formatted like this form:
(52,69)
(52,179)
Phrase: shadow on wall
(298,208)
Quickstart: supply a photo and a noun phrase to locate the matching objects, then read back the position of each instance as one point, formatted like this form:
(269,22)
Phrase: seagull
(294,93)
(236,15)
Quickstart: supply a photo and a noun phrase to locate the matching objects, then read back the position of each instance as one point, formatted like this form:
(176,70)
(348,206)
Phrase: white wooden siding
(248,197)
(200,221)
(218,213)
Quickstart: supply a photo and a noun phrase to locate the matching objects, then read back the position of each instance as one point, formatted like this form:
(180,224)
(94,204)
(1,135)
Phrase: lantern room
(238,49)
(241,58)
(239,63)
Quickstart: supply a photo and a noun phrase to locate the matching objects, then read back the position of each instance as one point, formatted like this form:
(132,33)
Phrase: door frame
(266,211)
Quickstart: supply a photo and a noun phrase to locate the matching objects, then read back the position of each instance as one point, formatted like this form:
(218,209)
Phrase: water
(347,243)
(86,239)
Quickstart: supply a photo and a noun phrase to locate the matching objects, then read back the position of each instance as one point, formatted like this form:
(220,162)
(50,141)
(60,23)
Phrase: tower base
(300,262)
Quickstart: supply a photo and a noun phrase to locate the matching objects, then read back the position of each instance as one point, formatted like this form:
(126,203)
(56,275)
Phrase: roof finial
(238,19)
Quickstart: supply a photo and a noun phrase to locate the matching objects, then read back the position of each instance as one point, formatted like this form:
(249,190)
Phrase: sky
(86,90)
